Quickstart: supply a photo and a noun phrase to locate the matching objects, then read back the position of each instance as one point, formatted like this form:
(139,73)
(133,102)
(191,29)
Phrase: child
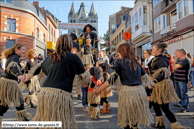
(85,91)
(98,63)
(94,111)
(98,66)
(105,68)
(87,53)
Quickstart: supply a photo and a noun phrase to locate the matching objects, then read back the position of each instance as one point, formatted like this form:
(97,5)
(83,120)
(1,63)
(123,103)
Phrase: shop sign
(175,39)
(75,25)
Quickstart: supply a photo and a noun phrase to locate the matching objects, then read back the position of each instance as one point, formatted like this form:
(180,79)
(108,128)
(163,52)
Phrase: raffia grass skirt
(106,92)
(133,107)
(10,93)
(34,84)
(92,99)
(77,85)
(55,105)
(87,59)
(164,93)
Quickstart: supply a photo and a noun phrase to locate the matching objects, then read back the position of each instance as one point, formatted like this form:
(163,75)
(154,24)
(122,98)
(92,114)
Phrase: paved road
(109,121)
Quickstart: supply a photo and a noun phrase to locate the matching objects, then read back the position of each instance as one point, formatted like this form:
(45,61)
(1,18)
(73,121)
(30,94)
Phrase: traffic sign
(127,36)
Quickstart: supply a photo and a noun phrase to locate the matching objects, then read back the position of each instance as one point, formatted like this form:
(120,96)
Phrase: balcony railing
(168,30)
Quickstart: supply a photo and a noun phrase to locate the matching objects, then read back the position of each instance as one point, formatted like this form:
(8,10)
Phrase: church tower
(82,16)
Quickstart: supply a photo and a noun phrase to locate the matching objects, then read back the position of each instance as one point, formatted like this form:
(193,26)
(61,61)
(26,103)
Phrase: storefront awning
(51,45)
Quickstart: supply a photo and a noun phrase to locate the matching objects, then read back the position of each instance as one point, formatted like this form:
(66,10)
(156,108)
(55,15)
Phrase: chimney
(43,8)
(36,4)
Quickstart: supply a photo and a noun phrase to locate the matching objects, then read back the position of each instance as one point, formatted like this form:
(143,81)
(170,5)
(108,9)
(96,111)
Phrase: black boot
(32,105)
(79,97)
(158,127)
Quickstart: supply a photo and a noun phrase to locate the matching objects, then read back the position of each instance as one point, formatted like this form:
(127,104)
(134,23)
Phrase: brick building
(22,22)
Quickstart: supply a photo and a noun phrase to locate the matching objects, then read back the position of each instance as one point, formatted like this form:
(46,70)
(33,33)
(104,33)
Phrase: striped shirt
(182,74)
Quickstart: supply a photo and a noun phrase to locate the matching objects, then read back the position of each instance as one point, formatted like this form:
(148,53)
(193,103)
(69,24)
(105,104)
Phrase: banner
(76,25)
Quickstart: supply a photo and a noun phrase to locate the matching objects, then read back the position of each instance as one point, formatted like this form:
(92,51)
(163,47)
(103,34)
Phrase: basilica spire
(92,11)
(72,11)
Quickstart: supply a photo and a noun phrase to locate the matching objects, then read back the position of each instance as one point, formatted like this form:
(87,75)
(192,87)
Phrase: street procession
(123,64)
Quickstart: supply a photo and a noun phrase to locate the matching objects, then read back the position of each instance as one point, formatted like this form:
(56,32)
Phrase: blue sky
(103,8)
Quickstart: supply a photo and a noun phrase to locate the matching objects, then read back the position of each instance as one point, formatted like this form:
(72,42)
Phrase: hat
(91,28)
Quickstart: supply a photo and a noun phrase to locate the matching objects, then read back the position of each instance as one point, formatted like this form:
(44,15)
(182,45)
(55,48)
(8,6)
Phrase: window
(156,2)
(74,21)
(164,22)
(44,38)
(145,10)
(51,34)
(145,15)
(159,23)
(91,21)
(10,43)
(140,17)
(193,5)
(11,24)
(173,17)
(133,25)
(9,1)
(156,25)
(180,10)
(37,33)
(94,21)
(186,7)
(136,22)
(54,36)
(117,39)
(6,1)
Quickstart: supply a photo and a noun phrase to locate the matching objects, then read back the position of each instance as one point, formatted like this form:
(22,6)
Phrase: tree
(106,36)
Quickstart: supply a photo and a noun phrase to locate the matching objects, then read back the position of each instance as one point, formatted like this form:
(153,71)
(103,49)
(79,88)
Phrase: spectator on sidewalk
(106,57)
(191,72)
(40,57)
(3,61)
(181,77)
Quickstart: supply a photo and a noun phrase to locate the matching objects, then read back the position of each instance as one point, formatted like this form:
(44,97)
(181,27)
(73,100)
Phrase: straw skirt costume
(164,92)
(133,106)
(9,89)
(54,102)
(33,84)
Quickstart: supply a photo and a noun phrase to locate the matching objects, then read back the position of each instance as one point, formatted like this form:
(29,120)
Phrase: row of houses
(27,23)
(154,21)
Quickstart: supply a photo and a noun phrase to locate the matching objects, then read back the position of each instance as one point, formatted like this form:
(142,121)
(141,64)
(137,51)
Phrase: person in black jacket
(133,106)
(54,102)
(163,93)
(9,90)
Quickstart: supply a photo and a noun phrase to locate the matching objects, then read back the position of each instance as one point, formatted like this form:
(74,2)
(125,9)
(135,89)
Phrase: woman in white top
(148,58)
